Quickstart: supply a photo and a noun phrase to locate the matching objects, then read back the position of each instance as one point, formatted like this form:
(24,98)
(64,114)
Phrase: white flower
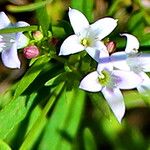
(109,82)
(131,60)
(9,43)
(87,37)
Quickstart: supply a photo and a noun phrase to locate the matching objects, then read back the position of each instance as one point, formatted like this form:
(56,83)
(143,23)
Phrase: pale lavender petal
(104,27)
(144,60)
(144,87)
(78,21)
(97,50)
(104,62)
(4,20)
(71,45)
(127,79)
(10,58)
(132,45)
(21,24)
(115,100)
(119,61)
(21,40)
(90,83)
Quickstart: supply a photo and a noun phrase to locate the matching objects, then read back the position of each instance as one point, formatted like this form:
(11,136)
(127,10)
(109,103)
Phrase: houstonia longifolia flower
(131,60)
(9,43)
(109,82)
(87,37)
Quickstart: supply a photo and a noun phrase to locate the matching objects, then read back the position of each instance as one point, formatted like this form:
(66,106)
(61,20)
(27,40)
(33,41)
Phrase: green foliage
(30,75)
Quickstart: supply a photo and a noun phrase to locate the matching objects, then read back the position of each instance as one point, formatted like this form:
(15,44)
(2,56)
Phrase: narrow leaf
(29,7)
(30,75)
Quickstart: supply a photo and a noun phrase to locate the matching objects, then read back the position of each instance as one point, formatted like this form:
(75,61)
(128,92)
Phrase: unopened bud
(111,46)
(30,52)
(37,35)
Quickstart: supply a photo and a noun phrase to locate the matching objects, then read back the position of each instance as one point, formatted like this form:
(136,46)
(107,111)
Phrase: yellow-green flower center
(85,42)
(105,78)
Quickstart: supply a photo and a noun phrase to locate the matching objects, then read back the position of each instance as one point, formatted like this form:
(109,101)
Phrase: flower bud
(111,46)
(30,52)
(37,35)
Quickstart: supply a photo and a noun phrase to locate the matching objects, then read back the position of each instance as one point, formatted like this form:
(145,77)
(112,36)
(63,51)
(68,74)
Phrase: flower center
(85,42)
(105,78)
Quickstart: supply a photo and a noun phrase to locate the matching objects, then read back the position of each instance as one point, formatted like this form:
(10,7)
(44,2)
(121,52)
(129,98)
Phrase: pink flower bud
(30,52)
(111,46)
(37,35)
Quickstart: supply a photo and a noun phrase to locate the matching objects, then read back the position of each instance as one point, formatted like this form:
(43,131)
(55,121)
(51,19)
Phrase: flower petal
(127,79)
(132,45)
(97,50)
(144,87)
(78,21)
(115,100)
(144,59)
(119,61)
(10,58)
(21,24)
(4,20)
(22,40)
(104,62)
(104,26)
(71,45)
(90,83)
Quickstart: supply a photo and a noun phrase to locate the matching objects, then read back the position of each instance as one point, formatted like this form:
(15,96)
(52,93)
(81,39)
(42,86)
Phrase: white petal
(119,61)
(132,45)
(10,58)
(78,21)
(115,100)
(71,45)
(144,59)
(21,24)
(90,83)
(144,87)
(104,62)
(97,50)
(4,20)
(104,26)
(21,40)
(127,79)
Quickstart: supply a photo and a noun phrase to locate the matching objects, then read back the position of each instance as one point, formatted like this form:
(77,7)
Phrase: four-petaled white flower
(109,82)
(87,37)
(131,60)
(9,43)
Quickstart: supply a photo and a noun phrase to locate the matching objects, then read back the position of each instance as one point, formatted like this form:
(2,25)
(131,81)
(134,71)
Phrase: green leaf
(43,18)
(89,142)
(30,75)
(88,9)
(4,146)
(57,79)
(29,7)
(18,29)
(135,20)
(84,7)
(14,112)
(77,4)
(38,126)
(58,31)
(63,125)
(100,103)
